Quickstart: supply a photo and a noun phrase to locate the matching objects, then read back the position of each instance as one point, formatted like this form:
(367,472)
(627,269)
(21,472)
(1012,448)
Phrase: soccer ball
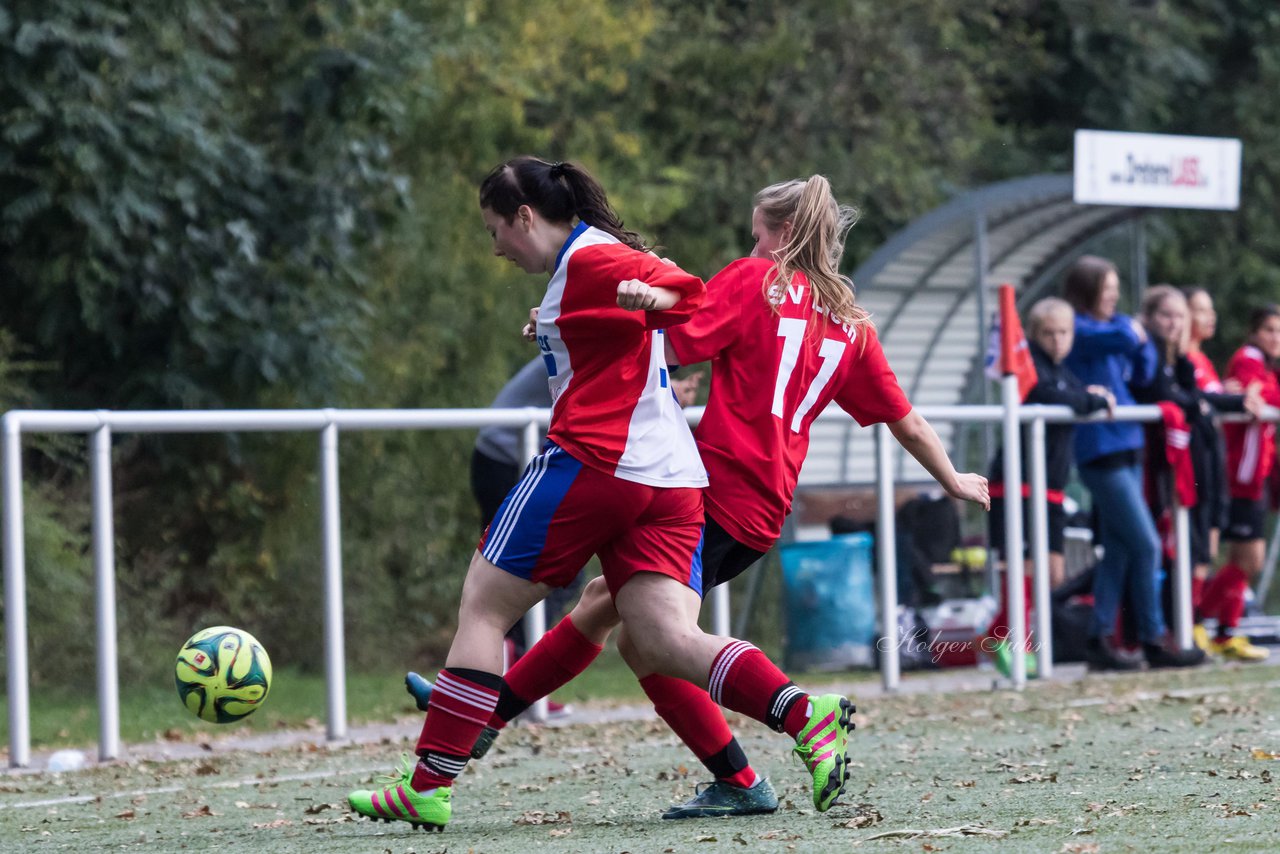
(223,674)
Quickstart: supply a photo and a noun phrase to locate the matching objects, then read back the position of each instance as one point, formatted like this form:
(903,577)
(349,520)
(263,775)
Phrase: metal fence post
(335,673)
(104,578)
(15,597)
(890,664)
(535,619)
(1015,591)
(1182,576)
(1040,552)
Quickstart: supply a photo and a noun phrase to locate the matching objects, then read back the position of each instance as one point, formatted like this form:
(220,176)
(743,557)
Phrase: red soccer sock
(461,704)
(1237,587)
(1224,598)
(553,662)
(694,716)
(745,680)
(1197,594)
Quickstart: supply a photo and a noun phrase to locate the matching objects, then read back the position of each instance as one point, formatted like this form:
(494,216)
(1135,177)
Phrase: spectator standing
(1167,318)
(1051,330)
(1250,458)
(1108,351)
(1212,484)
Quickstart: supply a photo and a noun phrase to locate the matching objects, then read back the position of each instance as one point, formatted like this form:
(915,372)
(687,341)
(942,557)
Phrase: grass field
(1181,761)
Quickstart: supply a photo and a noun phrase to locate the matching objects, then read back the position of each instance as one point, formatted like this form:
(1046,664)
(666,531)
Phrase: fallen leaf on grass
(1035,778)
(127,815)
(1259,753)
(338,819)
(706,839)
(1079,848)
(202,811)
(280,822)
(865,816)
(204,769)
(315,809)
(939,833)
(564,831)
(1035,822)
(781,835)
(536,817)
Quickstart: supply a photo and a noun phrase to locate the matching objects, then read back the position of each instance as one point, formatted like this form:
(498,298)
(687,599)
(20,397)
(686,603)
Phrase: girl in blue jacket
(1109,351)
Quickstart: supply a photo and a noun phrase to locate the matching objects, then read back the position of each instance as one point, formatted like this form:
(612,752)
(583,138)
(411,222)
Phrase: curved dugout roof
(920,288)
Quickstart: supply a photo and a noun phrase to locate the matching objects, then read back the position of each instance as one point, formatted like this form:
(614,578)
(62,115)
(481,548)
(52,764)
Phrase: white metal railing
(100,426)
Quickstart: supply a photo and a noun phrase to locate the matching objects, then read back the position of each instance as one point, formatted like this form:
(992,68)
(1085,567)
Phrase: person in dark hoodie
(1050,332)
(1109,351)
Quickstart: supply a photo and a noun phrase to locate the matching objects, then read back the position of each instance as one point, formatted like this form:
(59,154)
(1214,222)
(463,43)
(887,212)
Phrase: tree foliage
(186,188)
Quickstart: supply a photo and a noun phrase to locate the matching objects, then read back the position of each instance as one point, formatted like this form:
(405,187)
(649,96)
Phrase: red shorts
(562,512)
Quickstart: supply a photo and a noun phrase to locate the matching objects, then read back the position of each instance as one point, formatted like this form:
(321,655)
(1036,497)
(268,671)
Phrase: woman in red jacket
(1250,457)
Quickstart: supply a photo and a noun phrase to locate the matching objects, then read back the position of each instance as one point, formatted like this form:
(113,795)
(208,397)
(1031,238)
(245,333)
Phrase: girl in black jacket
(1166,316)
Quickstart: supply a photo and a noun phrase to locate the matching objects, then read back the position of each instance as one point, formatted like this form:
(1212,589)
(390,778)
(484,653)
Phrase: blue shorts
(562,512)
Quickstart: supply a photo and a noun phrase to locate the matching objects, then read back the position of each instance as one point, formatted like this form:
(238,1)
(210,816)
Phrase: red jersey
(1251,447)
(772,373)
(612,406)
(1206,374)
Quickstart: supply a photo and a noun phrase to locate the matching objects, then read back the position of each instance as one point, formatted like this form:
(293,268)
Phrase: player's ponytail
(559,192)
(814,246)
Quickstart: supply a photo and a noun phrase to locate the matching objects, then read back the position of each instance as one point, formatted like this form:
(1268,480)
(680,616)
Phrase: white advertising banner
(1157,170)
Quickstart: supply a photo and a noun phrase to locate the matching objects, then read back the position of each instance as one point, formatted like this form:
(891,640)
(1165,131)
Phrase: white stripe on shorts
(524,490)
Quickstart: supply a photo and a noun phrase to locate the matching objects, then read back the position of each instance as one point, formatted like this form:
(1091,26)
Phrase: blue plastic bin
(829,597)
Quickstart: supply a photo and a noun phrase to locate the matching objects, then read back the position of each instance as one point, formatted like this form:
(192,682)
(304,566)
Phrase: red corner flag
(1015,358)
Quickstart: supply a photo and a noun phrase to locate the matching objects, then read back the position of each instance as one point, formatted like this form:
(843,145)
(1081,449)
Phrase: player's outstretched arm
(921,442)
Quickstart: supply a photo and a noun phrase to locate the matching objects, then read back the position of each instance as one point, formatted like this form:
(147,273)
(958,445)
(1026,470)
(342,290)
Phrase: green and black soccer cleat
(822,744)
